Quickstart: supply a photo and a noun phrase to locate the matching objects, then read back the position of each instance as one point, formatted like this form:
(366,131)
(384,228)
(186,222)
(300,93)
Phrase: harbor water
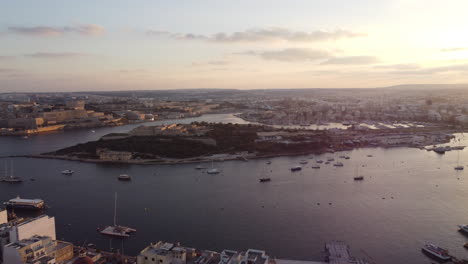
(408,197)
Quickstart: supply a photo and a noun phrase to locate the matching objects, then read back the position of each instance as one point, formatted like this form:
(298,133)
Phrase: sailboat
(213,170)
(11,178)
(358,177)
(264,178)
(458,167)
(116,230)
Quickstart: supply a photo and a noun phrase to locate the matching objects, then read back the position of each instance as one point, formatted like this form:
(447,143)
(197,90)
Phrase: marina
(406,177)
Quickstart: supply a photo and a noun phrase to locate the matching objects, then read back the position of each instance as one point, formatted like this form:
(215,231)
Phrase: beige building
(78,104)
(162,253)
(110,155)
(64,115)
(37,250)
(3,216)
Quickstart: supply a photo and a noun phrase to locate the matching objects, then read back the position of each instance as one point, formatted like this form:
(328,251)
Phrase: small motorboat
(124,177)
(463,228)
(303,162)
(213,171)
(296,168)
(268,162)
(359,178)
(266,179)
(338,164)
(315,167)
(67,172)
(200,167)
(319,161)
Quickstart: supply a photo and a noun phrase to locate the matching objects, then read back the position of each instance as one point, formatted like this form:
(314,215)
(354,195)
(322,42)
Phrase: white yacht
(463,228)
(67,172)
(10,178)
(200,167)
(458,167)
(338,164)
(116,230)
(303,162)
(125,177)
(213,170)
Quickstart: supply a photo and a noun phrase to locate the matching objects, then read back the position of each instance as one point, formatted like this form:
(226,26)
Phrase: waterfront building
(3,216)
(37,249)
(15,231)
(162,253)
(109,155)
(43,225)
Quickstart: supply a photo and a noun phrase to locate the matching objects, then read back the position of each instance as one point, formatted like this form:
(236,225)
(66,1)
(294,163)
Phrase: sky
(59,45)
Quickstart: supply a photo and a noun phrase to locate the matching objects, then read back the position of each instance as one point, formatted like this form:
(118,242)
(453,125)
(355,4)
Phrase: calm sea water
(409,197)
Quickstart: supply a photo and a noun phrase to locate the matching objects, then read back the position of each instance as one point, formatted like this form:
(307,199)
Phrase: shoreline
(195,160)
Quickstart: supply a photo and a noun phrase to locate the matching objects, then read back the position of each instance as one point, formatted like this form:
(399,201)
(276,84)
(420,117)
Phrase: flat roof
(21,200)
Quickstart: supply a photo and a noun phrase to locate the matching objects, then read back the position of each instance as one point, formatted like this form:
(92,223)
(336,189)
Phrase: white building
(162,253)
(43,225)
(3,216)
(37,249)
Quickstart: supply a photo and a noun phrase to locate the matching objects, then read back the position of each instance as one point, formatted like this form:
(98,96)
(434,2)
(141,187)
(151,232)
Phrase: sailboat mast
(115,209)
(11,169)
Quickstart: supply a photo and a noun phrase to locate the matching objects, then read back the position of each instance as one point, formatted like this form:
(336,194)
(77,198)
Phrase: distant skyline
(53,45)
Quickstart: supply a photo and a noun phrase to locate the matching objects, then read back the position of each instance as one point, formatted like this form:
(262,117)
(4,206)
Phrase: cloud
(54,55)
(405,66)
(435,70)
(45,31)
(218,62)
(350,60)
(7,70)
(453,49)
(6,58)
(290,55)
(262,35)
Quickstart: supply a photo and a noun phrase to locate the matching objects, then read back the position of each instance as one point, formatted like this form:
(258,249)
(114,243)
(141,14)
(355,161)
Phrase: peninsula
(201,141)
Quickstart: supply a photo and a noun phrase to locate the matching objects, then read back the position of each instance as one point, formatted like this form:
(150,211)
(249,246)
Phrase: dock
(338,253)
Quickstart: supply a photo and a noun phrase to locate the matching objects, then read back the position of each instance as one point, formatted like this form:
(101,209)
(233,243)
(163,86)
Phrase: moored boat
(315,167)
(296,168)
(436,251)
(265,179)
(303,162)
(116,230)
(20,203)
(463,228)
(213,170)
(124,177)
(67,172)
(338,164)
